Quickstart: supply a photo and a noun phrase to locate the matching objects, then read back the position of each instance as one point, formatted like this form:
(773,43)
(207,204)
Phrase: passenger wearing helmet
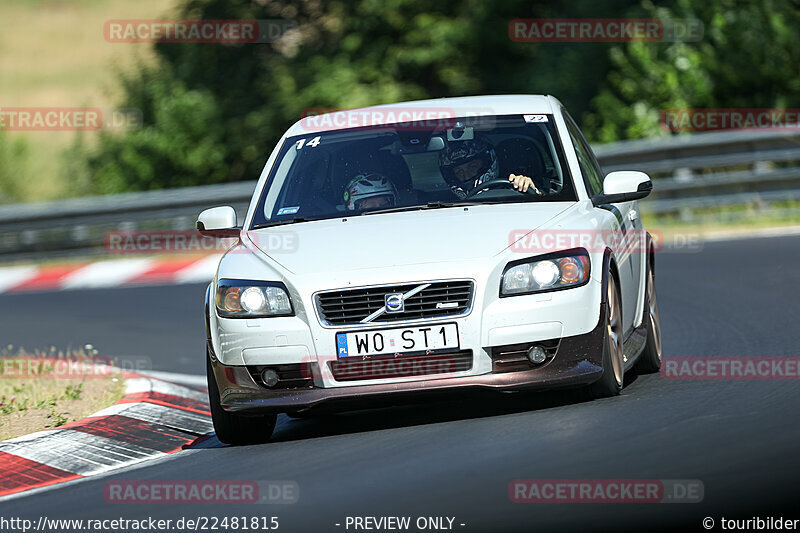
(369,191)
(467,164)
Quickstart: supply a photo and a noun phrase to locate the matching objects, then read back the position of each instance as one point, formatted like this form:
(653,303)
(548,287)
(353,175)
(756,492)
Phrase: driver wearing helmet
(369,191)
(468,164)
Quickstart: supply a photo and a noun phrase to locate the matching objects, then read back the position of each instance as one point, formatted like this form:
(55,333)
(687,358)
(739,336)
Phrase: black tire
(232,428)
(610,382)
(650,360)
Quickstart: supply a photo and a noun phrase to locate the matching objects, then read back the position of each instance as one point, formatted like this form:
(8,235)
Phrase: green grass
(37,391)
(53,54)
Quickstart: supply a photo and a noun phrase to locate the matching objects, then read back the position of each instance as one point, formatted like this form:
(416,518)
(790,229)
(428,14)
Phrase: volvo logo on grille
(394,302)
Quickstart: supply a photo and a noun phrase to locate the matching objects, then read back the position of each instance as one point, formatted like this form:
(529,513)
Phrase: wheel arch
(609,265)
(209,338)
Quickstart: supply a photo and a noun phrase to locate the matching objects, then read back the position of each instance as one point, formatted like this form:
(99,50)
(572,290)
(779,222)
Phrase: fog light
(537,355)
(269,377)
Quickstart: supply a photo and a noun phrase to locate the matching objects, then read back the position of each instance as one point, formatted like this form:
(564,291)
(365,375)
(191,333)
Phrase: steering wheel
(499,183)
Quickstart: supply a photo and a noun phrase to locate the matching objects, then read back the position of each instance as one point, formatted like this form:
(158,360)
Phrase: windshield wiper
(271,223)
(429,205)
(437,204)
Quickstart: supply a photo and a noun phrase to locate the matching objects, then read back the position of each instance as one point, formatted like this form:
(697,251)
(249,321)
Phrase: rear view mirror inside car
(460,133)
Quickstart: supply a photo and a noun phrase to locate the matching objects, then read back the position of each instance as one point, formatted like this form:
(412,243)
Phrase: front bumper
(577,361)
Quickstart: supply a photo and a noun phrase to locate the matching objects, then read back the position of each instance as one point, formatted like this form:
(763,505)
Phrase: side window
(592,175)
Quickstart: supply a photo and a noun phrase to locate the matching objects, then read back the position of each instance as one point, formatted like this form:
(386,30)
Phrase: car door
(626,220)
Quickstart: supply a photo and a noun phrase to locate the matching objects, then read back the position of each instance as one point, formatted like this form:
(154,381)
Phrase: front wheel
(232,428)
(650,360)
(610,382)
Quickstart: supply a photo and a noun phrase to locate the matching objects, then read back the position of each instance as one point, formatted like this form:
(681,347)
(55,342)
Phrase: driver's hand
(523,183)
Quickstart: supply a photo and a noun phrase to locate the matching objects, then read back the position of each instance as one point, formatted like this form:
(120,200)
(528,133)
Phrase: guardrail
(713,170)
(692,172)
(701,151)
(78,226)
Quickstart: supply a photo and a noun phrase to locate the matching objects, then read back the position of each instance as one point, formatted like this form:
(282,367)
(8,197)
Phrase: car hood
(397,239)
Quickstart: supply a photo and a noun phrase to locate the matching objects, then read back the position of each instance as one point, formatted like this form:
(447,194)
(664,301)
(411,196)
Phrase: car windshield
(399,167)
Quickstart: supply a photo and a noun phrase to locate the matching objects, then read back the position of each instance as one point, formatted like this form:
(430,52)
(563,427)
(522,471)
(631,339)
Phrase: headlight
(238,298)
(551,272)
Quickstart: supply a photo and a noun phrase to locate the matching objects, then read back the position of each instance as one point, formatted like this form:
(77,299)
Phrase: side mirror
(218,221)
(623,186)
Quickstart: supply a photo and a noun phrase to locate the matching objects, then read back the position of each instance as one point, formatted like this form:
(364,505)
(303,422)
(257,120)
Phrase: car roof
(508,104)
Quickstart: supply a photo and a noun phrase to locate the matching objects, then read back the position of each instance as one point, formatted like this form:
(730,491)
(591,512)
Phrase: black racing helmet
(458,153)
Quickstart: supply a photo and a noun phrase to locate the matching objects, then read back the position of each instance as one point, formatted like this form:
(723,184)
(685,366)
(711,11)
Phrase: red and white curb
(155,418)
(105,274)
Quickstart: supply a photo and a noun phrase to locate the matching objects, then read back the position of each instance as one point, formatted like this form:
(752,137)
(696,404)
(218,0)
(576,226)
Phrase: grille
(351,306)
(401,367)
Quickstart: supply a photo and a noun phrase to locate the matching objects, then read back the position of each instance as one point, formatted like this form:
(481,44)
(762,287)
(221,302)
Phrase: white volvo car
(427,247)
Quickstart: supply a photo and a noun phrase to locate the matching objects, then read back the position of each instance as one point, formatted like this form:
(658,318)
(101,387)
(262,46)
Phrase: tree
(746,59)
(213,112)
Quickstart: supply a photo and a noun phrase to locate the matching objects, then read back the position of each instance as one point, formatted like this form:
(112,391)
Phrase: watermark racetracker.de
(393,367)
(530,241)
(29,367)
(201,492)
(596,30)
(357,368)
(233,31)
(402,117)
(126,242)
(606,491)
(725,119)
(69,118)
(737,368)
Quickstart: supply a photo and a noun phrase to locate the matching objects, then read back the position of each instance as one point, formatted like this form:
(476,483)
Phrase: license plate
(395,341)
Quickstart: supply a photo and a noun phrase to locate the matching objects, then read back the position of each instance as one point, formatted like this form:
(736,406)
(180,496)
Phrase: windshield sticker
(535,118)
(288,210)
(313,143)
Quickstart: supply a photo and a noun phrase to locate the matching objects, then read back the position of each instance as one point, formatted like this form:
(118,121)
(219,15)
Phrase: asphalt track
(457,457)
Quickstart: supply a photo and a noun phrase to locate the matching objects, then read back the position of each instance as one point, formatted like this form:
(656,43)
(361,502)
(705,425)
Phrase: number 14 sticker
(312,143)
